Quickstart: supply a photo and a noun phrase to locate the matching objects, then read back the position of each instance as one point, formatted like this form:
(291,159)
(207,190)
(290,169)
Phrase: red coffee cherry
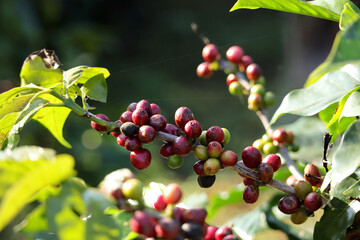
(142,223)
(280,135)
(289,204)
(234,54)
(172,193)
(312,175)
(251,157)
(255,101)
(167,228)
(160,203)
(222,232)
(210,53)
(274,160)
(245,62)
(126,117)
(197,215)
(132,106)
(313,201)
(121,139)
(203,70)
(158,122)
(248,181)
(228,158)
(97,126)
(199,168)
(265,172)
(231,78)
(193,129)
(214,149)
(206,181)
(132,143)
(182,146)
(115,134)
(215,133)
(171,129)
(146,134)
(210,233)
(144,104)
(251,194)
(253,72)
(182,116)
(154,109)
(140,116)
(141,158)
(166,150)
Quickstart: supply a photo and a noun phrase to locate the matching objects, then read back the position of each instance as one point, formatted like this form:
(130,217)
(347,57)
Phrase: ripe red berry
(279,135)
(97,126)
(144,104)
(197,215)
(182,116)
(159,203)
(248,181)
(265,172)
(210,53)
(245,62)
(203,70)
(166,150)
(228,158)
(210,233)
(172,193)
(182,146)
(193,129)
(115,134)
(142,223)
(313,201)
(251,194)
(158,122)
(171,129)
(140,116)
(141,158)
(234,54)
(154,109)
(121,139)
(274,160)
(167,228)
(199,168)
(132,143)
(253,72)
(251,157)
(289,204)
(231,78)
(214,149)
(312,175)
(126,117)
(215,133)
(222,232)
(146,134)
(132,106)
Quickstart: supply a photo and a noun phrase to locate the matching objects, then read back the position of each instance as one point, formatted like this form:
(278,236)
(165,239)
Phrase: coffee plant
(41,197)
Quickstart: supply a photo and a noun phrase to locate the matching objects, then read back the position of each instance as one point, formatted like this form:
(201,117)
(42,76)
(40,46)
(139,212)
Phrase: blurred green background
(151,53)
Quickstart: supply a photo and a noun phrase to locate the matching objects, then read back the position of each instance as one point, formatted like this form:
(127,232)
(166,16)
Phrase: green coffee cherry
(259,144)
(200,152)
(299,217)
(226,136)
(235,89)
(174,161)
(258,88)
(270,148)
(302,188)
(133,189)
(269,99)
(202,138)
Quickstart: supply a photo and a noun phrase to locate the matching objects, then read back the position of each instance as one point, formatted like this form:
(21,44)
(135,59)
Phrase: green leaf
(232,196)
(337,115)
(53,119)
(95,88)
(36,72)
(352,106)
(14,92)
(329,89)
(122,218)
(347,156)
(345,50)
(320,9)
(82,74)
(20,181)
(348,16)
(339,126)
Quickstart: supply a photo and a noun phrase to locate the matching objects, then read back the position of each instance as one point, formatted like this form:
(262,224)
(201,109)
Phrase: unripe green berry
(266,138)
(226,136)
(200,152)
(258,88)
(133,189)
(202,138)
(270,148)
(269,99)
(235,89)
(299,217)
(259,144)
(302,188)
(255,101)
(293,147)
(174,161)
(211,166)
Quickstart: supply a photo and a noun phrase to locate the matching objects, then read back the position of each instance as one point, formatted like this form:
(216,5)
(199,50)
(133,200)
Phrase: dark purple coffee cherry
(199,168)
(251,194)
(265,172)
(182,146)
(289,204)
(171,129)
(154,109)
(129,129)
(192,230)
(158,122)
(206,181)
(167,228)
(146,134)
(126,117)
(166,150)
(132,143)
(132,107)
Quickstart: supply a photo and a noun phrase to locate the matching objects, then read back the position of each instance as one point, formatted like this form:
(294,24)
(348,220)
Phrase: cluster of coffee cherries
(306,199)
(279,138)
(265,168)
(258,97)
(163,220)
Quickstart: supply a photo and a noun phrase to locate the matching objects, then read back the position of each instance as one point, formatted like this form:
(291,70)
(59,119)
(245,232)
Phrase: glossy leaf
(345,50)
(36,72)
(347,156)
(95,88)
(14,92)
(348,16)
(21,180)
(352,106)
(122,218)
(53,119)
(329,89)
(82,74)
(318,8)
(337,127)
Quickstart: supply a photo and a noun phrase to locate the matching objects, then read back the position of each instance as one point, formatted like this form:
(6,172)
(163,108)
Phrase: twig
(196,30)
(327,139)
